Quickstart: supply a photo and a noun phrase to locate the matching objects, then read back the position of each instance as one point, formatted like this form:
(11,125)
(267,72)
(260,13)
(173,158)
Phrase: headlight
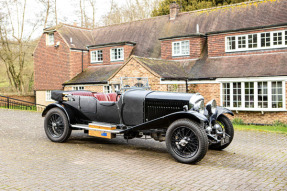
(211,107)
(194,100)
(200,106)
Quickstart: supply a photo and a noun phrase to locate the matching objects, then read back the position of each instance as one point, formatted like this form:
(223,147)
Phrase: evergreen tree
(191,5)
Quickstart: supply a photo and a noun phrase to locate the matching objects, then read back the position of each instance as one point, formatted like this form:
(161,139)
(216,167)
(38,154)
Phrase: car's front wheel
(57,126)
(186,141)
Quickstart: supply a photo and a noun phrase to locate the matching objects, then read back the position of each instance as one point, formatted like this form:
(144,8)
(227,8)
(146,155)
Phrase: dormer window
(256,41)
(96,56)
(117,54)
(50,39)
(180,48)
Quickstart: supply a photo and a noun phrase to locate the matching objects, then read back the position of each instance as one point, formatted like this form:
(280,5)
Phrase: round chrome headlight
(200,106)
(211,106)
(194,100)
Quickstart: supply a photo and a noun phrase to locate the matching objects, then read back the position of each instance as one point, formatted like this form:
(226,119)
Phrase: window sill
(180,56)
(99,62)
(117,60)
(256,49)
(258,109)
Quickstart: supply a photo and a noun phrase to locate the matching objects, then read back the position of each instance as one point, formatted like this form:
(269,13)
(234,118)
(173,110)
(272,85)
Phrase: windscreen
(134,83)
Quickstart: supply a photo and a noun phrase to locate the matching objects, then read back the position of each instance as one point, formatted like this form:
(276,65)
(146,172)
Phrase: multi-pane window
(97,56)
(241,42)
(117,54)
(48,95)
(265,39)
(256,41)
(78,88)
(231,43)
(277,95)
(226,94)
(253,95)
(262,95)
(252,41)
(237,94)
(180,48)
(277,38)
(50,39)
(249,94)
(107,89)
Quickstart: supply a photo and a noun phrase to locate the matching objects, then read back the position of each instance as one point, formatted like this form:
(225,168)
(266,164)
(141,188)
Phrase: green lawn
(275,129)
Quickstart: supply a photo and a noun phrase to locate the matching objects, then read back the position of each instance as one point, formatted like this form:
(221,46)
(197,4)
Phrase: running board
(87,127)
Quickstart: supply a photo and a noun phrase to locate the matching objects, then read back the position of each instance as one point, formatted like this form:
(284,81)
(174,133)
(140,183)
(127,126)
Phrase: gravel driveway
(29,161)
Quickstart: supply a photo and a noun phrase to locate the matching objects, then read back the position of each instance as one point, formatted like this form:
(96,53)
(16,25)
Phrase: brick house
(235,54)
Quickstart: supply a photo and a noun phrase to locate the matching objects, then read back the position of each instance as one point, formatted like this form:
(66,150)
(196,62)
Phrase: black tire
(56,125)
(186,141)
(227,126)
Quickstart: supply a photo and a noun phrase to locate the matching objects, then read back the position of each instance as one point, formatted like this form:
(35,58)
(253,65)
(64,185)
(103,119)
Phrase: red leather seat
(82,93)
(112,97)
(101,97)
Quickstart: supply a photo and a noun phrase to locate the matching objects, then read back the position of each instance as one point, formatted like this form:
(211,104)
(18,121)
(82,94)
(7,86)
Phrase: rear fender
(53,105)
(165,121)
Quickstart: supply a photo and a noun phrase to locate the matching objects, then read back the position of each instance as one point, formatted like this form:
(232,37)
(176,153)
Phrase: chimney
(173,10)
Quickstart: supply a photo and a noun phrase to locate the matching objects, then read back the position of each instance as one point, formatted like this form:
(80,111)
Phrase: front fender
(222,110)
(53,105)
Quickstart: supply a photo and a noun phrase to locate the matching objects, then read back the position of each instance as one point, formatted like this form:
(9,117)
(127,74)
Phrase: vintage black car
(181,119)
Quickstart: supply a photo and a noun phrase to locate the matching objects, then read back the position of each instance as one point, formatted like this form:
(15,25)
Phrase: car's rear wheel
(57,126)
(186,141)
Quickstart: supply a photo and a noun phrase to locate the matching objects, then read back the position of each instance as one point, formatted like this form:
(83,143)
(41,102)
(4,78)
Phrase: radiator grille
(156,109)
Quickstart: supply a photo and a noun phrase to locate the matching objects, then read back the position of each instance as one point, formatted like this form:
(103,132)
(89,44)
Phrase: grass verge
(275,129)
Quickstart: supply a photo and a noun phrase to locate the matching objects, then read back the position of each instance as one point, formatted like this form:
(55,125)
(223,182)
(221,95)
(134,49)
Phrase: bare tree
(47,5)
(93,5)
(14,42)
(132,10)
(55,10)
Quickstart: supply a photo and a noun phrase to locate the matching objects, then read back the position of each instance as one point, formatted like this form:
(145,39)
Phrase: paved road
(29,161)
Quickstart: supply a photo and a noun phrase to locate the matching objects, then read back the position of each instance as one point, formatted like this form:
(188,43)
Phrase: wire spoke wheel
(184,142)
(55,125)
(227,129)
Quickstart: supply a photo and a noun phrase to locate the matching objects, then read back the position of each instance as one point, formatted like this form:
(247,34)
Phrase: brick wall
(51,65)
(93,88)
(216,44)
(107,57)
(76,62)
(195,46)
(41,98)
(134,69)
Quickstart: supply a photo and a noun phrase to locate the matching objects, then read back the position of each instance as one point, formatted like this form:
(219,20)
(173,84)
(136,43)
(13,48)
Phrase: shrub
(237,121)
(278,123)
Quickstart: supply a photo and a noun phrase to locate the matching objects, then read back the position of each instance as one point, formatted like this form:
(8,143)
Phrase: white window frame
(256,108)
(180,48)
(49,95)
(78,88)
(259,47)
(105,89)
(48,40)
(97,56)
(117,59)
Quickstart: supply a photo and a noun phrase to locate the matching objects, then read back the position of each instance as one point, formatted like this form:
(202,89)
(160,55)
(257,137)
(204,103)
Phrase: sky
(67,12)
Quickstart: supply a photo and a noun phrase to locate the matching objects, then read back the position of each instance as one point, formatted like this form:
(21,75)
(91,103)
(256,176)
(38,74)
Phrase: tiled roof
(94,75)
(168,69)
(256,65)
(147,32)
